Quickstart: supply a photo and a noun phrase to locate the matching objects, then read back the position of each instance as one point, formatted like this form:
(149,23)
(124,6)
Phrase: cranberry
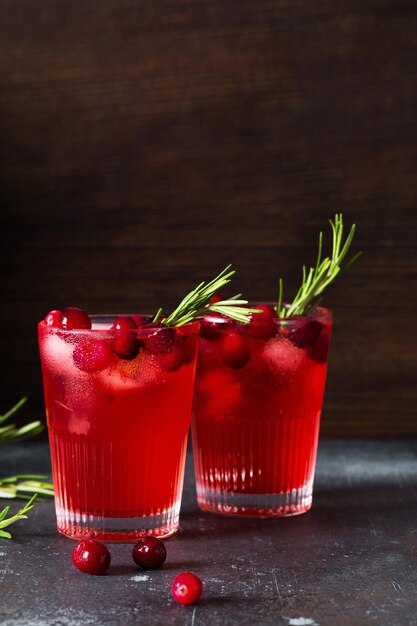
(92,355)
(187,588)
(187,345)
(140,320)
(209,327)
(91,556)
(213,325)
(319,351)
(234,350)
(149,553)
(125,344)
(303,333)
(171,361)
(217,297)
(124,323)
(158,339)
(73,318)
(54,319)
(262,325)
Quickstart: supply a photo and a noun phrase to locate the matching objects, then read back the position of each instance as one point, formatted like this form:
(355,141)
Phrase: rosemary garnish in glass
(197,303)
(318,278)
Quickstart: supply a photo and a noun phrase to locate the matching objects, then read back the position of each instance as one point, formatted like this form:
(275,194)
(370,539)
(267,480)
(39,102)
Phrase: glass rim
(318,313)
(95,317)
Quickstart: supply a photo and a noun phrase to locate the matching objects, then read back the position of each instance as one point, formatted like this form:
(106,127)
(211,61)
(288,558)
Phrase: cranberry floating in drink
(118,394)
(258,399)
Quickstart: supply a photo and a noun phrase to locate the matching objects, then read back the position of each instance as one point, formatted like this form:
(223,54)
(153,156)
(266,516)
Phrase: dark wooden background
(144,145)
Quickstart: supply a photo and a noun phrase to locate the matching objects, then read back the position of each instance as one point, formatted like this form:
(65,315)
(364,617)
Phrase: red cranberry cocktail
(257,404)
(118,395)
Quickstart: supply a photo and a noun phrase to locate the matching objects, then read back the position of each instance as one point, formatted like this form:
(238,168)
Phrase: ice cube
(221,394)
(282,356)
(129,375)
(57,353)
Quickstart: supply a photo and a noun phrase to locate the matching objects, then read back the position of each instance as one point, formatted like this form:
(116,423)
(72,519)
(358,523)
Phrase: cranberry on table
(234,350)
(73,319)
(149,553)
(54,319)
(91,557)
(187,588)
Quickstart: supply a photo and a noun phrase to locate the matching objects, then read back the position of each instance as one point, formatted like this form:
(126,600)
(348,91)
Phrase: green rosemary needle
(11,433)
(22,485)
(5,521)
(318,278)
(196,303)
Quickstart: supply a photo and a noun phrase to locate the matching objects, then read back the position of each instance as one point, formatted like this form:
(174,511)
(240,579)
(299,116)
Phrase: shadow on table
(348,506)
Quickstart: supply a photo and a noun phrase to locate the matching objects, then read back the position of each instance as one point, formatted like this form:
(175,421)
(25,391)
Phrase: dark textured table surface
(351,560)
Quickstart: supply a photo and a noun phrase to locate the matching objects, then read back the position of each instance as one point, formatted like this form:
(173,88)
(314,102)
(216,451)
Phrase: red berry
(54,319)
(92,355)
(188,347)
(183,353)
(213,325)
(234,350)
(217,297)
(73,318)
(187,588)
(209,327)
(124,323)
(303,333)
(91,556)
(125,344)
(320,349)
(149,553)
(158,339)
(171,361)
(140,320)
(262,325)
(267,311)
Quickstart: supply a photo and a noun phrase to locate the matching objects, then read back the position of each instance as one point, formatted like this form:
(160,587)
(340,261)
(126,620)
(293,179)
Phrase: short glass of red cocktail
(118,402)
(257,405)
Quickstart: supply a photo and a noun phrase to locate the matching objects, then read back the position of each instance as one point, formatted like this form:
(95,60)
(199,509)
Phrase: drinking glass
(257,405)
(118,408)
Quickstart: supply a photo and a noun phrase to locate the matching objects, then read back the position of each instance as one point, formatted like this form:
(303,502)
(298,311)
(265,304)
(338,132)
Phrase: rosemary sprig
(4,521)
(318,278)
(23,484)
(11,432)
(195,304)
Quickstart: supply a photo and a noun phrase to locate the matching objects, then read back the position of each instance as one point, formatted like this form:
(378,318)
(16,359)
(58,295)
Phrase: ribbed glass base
(81,526)
(294,502)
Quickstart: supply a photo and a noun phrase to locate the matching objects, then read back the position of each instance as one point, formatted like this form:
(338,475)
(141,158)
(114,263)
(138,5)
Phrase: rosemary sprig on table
(21,485)
(4,521)
(318,278)
(196,303)
(11,432)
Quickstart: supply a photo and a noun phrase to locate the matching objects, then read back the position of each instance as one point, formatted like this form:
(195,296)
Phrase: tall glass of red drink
(118,410)
(257,405)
